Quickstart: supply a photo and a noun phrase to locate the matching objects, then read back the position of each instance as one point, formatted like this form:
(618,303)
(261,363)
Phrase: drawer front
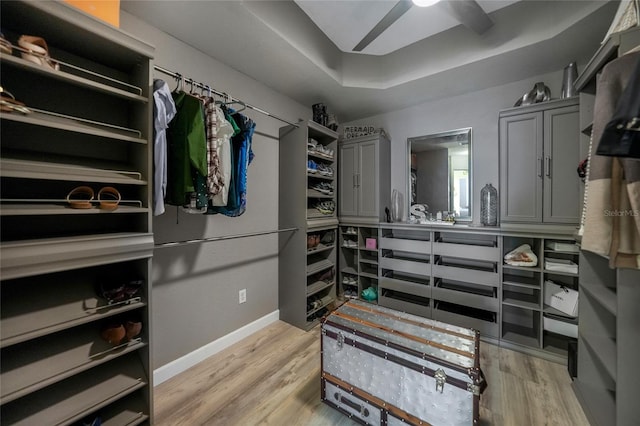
(485,328)
(404,306)
(490,254)
(351,405)
(466,299)
(466,275)
(414,246)
(409,266)
(422,290)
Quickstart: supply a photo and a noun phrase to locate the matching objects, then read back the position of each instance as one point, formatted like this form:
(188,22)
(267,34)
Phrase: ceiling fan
(468,12)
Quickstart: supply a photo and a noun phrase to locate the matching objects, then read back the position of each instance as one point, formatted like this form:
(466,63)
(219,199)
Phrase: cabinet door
(521,168)
(367,180)
(561,157)
(348,202)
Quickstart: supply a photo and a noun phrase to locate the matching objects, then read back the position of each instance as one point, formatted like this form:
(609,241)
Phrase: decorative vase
(489,205)
(568,81)
(397,212)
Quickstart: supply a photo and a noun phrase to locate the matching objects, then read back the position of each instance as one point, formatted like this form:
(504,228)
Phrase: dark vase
(489,205)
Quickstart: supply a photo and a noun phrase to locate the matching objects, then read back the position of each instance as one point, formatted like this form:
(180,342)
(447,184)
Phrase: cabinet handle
(355,180)
(548,166)
(540,167)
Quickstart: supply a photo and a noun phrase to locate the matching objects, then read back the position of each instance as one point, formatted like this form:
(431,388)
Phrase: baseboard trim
(187,361)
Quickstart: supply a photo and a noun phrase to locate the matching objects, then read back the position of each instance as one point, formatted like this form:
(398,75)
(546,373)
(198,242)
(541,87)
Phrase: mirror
(440,176)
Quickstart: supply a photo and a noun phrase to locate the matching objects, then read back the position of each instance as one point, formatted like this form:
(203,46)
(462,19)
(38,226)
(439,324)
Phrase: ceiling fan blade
(469,13)
(392,16)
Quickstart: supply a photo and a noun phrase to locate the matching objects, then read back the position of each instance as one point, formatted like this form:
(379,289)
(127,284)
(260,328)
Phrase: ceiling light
(425,3)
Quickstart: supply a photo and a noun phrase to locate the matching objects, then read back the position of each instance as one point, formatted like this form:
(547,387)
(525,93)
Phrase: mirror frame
(464,130)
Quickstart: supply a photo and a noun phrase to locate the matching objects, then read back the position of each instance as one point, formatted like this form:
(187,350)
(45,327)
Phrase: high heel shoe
(37,51)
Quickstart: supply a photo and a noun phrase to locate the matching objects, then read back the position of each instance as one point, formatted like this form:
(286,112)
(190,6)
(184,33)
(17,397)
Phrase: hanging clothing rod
(223,94)
(226,237)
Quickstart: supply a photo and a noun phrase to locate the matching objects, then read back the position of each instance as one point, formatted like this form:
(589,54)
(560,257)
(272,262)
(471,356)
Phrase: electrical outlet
(242,295)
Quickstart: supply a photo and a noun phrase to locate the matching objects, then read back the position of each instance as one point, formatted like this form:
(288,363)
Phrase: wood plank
(273,378)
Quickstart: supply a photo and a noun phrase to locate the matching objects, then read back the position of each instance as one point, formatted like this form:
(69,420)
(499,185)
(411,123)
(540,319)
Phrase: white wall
(478,110)
(195,287)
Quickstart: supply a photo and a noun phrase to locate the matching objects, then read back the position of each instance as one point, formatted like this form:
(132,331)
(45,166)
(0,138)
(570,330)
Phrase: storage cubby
(521,325)
(91,128)
(358,264)
(465,316)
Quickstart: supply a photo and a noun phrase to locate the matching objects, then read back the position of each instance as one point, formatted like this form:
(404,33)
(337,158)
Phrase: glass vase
(489,205)
(397,206)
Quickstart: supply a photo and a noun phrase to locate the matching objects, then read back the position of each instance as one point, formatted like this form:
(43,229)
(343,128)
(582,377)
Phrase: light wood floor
(273,378)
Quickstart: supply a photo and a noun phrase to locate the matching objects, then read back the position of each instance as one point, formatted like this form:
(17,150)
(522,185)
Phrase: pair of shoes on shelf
(312,166)
(349,244)
(326,207)
(5,45)
(118,293)
(327,238)
(82,197)
(34,49)
(323,151)
(324,170)
(8,103)
(350,293)
(323,187)
(346,280)
(121,333)
(350,231)
(326,276)
(313,240)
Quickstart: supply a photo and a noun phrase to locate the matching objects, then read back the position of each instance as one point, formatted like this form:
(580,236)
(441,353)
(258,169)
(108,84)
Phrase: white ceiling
(277,43)
(346,22)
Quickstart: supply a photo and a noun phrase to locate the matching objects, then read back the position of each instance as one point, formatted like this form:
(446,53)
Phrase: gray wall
(195,287)
(478,110)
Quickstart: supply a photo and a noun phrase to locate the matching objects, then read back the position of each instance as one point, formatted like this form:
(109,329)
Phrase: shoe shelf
(318,286)
(60,208)
(26,169)
(45,314)
(319,266)
(38,363)
(33,257)
(72,399)
(129,411)
(307,200)
(73,125)
(107,84)
(320,177)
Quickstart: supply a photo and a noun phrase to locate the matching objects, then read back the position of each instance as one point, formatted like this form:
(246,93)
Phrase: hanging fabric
(241,157)
(163,112)
(186,154)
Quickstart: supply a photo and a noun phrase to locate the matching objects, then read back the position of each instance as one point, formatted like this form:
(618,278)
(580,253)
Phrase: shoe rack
(358,261)
(307,201)
(88,125)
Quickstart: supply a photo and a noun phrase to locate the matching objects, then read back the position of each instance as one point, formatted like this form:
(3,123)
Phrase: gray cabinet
(364,178)
(539,146)
(54,260)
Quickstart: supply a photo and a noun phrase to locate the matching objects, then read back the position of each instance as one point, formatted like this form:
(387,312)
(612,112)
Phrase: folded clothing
(521,256)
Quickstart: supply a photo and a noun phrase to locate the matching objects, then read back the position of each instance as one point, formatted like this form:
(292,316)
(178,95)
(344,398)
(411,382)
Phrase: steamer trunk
(384,367)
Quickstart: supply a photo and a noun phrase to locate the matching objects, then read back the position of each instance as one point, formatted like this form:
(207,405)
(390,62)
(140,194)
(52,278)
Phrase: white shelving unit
(84,129)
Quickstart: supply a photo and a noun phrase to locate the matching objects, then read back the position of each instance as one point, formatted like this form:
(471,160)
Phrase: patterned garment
(216,128)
